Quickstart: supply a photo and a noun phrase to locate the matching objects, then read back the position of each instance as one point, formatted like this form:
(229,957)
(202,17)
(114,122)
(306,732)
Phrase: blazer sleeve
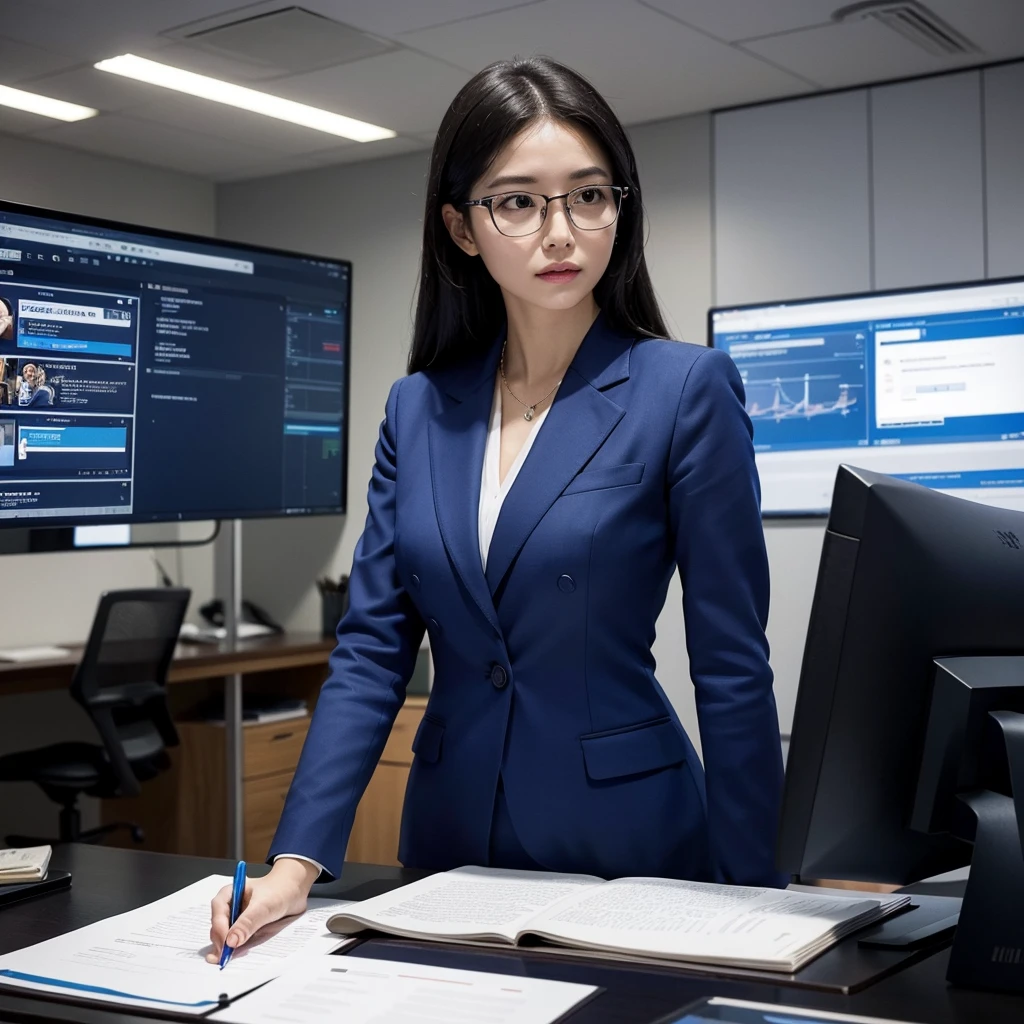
(378,640)
(714,502)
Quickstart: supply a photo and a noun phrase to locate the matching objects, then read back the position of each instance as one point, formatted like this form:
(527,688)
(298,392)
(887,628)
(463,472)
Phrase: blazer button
(416,581)
(498,677)
(566,584)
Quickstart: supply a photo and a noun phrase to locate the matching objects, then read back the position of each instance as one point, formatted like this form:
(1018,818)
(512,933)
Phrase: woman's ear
(458,227)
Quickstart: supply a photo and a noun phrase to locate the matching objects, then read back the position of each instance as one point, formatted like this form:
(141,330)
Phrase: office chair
(121,684)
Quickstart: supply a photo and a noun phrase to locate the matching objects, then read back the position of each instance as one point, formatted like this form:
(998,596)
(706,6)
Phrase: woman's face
(5,318)
(548,158)
(29,373)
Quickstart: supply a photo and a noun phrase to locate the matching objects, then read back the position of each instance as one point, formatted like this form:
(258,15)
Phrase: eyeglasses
(589,208)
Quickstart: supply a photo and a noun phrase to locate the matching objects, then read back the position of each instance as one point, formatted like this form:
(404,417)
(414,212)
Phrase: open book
(661,918)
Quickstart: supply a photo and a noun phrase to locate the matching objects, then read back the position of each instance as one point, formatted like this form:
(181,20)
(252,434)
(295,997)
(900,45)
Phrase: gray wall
(55,596)
(915,183)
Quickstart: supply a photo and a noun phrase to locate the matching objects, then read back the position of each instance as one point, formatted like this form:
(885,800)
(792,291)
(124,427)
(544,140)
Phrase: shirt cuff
(308,860)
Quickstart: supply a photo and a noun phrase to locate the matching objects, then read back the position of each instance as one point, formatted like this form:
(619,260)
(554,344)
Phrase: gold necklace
(528,415)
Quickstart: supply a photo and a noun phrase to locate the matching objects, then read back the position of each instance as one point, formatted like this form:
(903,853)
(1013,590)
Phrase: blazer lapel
(456,441)
(578,423)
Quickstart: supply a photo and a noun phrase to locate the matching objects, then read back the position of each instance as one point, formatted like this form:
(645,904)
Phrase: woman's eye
(516,201)
(589,196)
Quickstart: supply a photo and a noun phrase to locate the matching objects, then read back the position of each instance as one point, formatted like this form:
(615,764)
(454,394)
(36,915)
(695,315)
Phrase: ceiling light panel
(45,105)
(139,68)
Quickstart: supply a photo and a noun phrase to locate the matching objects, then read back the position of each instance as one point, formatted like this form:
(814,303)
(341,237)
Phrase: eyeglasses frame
(487,201)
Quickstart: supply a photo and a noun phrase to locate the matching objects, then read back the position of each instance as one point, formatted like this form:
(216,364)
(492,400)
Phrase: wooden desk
(186,810)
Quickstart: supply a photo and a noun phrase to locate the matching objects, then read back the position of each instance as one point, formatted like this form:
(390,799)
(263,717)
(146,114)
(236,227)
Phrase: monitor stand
(988,951)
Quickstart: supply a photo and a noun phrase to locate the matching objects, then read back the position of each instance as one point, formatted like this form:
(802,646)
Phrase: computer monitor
(925,384)
(913,586)
(152,376)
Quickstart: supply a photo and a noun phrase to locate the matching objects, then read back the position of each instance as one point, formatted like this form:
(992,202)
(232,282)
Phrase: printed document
(156,956)
(354,990)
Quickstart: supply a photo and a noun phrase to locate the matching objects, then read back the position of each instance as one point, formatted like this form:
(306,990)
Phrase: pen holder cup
(333,605)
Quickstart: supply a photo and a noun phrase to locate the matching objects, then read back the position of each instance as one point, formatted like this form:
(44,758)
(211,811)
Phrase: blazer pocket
(614,476)
(426,744)
(634,749)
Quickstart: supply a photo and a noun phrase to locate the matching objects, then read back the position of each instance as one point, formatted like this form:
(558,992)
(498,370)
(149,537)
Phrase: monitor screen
(148,376)
(926,385)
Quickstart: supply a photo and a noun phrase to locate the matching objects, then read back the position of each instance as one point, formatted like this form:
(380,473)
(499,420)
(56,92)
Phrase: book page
(697,920)
(467,903)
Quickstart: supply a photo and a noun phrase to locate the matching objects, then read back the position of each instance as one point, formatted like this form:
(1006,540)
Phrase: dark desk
(108,882)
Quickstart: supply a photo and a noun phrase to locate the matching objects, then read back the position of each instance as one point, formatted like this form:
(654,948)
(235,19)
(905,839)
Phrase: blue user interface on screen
(925,385)
(148,377)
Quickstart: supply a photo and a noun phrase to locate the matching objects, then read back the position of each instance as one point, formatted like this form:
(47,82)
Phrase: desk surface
(191,661)
(108,881)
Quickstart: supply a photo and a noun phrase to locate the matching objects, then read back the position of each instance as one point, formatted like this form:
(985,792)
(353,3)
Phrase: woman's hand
(281,893)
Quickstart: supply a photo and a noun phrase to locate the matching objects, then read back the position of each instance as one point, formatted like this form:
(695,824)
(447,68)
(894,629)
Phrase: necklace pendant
(528,415)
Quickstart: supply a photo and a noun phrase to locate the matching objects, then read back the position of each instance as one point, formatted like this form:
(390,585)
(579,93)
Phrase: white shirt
(492,493)
(493,490)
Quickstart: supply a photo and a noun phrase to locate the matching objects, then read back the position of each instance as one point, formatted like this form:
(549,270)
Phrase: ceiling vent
(914,22)
(275,39)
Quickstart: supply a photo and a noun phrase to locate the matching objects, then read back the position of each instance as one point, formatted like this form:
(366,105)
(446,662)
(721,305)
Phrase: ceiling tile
(19,61)
(101,28)
(403,91)
(747,19)
(647,65)
(391,17)
(369,151)
(853,53)
(18,122)
(97,89)
(308,161)
(145,142)
(233,125)
(997,26)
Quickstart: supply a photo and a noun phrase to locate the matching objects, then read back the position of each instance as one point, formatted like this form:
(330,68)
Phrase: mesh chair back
(122,677)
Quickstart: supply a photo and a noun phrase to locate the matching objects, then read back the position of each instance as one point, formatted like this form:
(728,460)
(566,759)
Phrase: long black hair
(459,307)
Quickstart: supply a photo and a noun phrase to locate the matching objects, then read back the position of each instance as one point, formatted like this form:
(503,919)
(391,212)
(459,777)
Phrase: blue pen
(237,892)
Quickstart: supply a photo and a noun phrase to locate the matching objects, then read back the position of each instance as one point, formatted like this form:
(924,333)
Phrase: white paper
(695,920)
(354,990)
(468,902)
(156,956)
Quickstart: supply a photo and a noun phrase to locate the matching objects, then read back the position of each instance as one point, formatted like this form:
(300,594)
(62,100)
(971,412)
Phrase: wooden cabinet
(378,821)
(185,810)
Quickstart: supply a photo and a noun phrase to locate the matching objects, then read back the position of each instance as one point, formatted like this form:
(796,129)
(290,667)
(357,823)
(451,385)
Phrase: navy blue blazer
(543,666)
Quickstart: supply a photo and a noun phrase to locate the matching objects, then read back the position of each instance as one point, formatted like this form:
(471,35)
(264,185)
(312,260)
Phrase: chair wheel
(138,835)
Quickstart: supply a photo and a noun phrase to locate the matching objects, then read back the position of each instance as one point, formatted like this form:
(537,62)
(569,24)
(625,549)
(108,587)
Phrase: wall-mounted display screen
(147,376)
(924,384)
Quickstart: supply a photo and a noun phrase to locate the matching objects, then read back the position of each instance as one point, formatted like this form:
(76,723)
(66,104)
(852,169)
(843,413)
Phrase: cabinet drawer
(257,846)
(398,749)
(264,801)
(274,747)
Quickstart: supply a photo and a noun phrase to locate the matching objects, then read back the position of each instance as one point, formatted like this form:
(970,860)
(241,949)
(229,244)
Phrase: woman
(29,381)
(547,742)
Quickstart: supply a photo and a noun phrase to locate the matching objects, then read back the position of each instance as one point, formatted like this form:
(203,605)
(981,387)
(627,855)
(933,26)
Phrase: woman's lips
(559,276)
